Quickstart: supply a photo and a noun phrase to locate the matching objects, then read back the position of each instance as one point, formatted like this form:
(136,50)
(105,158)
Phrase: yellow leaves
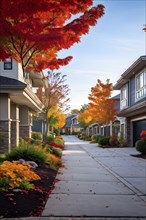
(53,161)
(61,120)
(17,173)
(58,116)
(52,111)
(85,117)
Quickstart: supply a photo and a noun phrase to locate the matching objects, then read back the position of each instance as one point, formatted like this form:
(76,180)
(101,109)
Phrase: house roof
(69,121)
(9,82)
(137,66)
(134,110)
(20,93)
(116,97)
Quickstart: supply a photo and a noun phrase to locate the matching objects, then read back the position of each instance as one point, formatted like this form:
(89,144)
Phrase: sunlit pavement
(96,182)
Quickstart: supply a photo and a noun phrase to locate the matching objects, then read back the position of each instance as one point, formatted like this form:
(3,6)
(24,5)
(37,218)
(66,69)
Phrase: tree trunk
(46,127)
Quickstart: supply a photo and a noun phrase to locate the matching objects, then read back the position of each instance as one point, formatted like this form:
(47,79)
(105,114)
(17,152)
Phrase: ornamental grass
(54,161)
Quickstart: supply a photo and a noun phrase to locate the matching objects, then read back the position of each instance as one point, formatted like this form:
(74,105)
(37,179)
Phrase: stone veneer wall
(5,138)
(14,133)
(25,131)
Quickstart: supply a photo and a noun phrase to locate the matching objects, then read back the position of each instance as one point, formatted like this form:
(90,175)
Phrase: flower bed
(28,203)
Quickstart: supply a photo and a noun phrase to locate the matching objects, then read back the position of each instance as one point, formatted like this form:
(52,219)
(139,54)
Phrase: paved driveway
(96,182)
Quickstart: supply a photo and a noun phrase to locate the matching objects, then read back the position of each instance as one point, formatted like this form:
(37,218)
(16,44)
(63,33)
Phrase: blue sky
(108,50)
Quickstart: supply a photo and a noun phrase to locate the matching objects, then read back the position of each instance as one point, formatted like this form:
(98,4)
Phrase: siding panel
(132,91)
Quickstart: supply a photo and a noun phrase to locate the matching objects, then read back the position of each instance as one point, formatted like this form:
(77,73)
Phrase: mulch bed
(139,156)
(28,203)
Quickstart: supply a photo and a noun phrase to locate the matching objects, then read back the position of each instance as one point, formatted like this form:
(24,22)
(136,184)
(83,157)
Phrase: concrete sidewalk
(98,182)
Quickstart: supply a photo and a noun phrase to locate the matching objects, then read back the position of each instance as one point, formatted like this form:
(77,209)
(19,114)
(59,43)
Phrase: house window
(124,97)
(141,85)
(8,64)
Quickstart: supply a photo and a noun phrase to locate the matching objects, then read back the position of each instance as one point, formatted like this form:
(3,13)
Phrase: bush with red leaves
(50,143)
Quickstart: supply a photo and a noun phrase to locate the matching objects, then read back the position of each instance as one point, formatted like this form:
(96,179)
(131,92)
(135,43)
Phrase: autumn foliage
(16,175)
(85,118)
(33,32)
(102,106)
(55,100)
(56,117)
(143,135)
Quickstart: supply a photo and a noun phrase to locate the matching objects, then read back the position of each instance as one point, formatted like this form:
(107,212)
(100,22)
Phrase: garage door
(138,126)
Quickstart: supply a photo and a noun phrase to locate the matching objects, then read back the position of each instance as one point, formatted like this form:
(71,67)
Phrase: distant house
(132,86)
(71,125)
(18,103)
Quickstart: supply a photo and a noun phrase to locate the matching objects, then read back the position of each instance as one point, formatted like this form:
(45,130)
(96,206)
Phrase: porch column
(5,123)
(99,130)
(128,132)
(14,125)
(25,122)
(111,128)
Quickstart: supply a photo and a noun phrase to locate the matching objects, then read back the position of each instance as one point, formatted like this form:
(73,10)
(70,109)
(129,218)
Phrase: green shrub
(79,134)
(2,157)
(122,142)
(35,141)
(50,137)
(113,141)
(98,137)
(59,141)
(56,131)
(88,139)
(27,153)
(22,142)
(141,146)
(103,141)
(93,137)
(56,151)
(36,135)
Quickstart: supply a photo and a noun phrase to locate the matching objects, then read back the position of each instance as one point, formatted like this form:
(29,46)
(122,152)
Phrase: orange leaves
(29,28)
(101,106)
(15,174)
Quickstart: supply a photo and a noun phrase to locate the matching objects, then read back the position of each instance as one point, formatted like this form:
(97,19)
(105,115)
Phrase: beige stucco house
(18,103)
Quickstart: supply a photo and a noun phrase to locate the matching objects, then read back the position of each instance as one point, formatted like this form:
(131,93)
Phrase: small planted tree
(55,95)
(102,106)
(56,118)
(84,117)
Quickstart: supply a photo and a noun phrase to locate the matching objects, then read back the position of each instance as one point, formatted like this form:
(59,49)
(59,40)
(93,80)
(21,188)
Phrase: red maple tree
(33,32)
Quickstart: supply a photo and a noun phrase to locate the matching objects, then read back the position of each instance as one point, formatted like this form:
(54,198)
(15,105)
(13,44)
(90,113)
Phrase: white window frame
(124,101)
(8,64)
(140,92)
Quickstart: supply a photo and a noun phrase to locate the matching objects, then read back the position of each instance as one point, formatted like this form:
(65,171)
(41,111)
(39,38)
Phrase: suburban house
(75,127)
(112,128)
(18,103)
(132,86)
(71,125)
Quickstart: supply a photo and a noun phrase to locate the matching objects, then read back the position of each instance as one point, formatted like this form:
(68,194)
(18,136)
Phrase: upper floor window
(124,97)
(141,85)
(8,64)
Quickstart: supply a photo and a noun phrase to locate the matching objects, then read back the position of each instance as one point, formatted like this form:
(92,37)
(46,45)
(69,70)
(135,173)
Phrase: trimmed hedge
(141,146)
(103,141)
